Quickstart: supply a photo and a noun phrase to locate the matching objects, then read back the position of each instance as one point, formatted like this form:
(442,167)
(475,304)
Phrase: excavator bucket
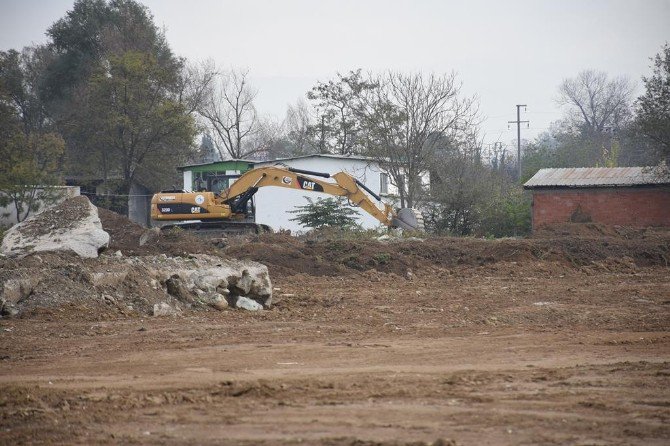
(409,219)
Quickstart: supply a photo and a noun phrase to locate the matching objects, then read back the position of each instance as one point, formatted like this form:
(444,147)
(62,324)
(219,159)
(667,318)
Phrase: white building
(273,204)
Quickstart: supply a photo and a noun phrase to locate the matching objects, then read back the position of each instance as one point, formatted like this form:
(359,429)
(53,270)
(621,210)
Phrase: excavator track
(215,229)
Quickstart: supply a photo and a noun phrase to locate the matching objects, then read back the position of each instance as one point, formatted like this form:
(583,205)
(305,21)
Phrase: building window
(383,183)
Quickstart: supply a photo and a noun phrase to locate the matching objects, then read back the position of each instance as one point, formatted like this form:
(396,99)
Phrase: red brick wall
(638,207)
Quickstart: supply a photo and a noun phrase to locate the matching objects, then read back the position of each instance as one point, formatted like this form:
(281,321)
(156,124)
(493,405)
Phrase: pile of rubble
(60,258)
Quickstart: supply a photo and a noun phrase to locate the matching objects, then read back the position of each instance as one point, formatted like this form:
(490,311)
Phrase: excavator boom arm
(344,186)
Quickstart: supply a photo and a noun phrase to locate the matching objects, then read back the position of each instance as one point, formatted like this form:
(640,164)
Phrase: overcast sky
(506,52)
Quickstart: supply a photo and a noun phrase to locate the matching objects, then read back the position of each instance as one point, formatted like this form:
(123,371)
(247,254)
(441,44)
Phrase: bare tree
(300,130)
(267,142)
(406,118)
(338,125)
(230,115)
(597,103)
(195,85)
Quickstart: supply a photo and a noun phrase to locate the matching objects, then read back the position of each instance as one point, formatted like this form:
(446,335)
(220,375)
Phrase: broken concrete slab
(72,225)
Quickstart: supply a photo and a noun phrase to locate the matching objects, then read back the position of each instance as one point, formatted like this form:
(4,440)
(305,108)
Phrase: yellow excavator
(230,210)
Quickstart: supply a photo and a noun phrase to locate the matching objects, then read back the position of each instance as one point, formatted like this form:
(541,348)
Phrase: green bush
(510,215)
(326,213)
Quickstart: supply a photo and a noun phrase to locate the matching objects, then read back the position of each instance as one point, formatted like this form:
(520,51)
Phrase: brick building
(625,196)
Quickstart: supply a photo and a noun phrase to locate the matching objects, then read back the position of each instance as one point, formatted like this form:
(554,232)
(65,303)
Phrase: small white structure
(273,204)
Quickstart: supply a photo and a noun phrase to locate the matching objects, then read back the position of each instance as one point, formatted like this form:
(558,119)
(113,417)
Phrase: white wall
(188,180)
(274,203)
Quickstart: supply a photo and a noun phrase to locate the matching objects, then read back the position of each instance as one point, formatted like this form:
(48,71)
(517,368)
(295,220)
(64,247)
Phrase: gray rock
(7,309)
(247,304)
(208,282)
(17,289)
(242,283)
(108,278)
(164,309)
(201,275)
(218,301)
(176,288)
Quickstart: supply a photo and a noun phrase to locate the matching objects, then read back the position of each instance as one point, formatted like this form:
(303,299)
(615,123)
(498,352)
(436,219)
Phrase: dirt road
(505,353)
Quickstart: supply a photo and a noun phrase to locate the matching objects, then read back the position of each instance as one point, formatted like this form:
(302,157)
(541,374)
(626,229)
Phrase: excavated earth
(563,338)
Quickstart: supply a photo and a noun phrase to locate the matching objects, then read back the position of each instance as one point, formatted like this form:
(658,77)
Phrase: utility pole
(518,123)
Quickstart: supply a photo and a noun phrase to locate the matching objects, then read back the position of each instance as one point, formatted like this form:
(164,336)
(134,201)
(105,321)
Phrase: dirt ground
(559,339)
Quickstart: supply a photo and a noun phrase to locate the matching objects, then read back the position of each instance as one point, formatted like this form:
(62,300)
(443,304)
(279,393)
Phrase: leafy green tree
(653,108)
(90,32)
(29,166)
(30,155)
(137,118)
(109,83)
(326,212)
(122,100)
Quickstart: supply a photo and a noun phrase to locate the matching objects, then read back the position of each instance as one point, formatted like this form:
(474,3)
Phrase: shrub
(324,213)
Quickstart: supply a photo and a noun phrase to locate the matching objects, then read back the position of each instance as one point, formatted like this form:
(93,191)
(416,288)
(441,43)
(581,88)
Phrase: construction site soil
(562,338)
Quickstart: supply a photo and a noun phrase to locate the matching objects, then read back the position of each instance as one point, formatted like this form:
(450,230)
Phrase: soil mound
(125,236)
(288,255)
(333,254)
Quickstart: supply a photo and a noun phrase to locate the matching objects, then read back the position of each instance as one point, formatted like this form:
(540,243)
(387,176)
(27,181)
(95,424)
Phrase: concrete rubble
(69,271)
(210,280)
(155,285)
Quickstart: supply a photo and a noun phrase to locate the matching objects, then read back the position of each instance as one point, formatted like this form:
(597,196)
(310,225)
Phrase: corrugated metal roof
(598,177)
